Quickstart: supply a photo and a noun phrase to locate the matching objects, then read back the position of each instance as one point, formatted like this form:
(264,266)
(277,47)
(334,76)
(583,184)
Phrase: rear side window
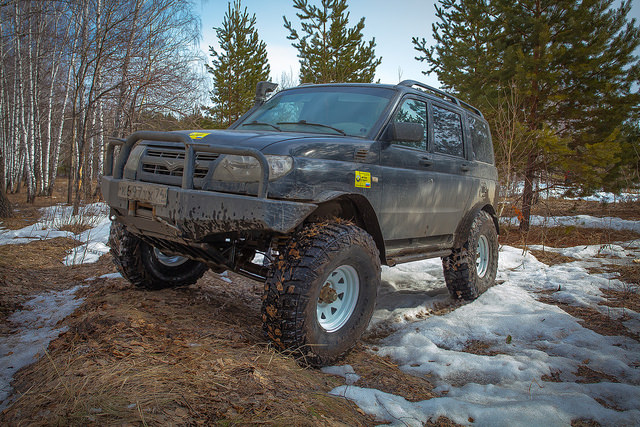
(413,111)
(481,140)
(447,132)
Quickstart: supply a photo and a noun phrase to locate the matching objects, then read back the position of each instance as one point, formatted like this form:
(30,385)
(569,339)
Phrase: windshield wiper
(304,122)
(255,123)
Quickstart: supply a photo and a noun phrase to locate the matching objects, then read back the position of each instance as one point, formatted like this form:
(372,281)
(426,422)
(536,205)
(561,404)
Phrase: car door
(407,181)
(450,169)
(483,171)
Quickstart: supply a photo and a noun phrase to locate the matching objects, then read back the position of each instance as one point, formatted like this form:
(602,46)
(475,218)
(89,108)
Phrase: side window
(413,111)
(481,140)
(447,130)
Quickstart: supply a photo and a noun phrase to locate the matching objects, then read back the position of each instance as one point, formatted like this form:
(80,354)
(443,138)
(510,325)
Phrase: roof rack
(441,94)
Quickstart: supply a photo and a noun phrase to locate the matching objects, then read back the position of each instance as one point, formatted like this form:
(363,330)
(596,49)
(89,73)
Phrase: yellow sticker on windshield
(363,179)
(198,135)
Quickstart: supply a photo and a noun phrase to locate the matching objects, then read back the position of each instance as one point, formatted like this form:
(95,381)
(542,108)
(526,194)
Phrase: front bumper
(194,215)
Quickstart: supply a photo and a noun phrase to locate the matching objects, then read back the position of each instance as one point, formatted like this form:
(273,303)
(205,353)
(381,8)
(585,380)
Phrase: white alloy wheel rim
(338,298)
(169,260)
(482,256)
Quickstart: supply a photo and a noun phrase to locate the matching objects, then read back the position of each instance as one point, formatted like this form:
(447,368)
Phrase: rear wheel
(322,291)
(148,267)
(471,268)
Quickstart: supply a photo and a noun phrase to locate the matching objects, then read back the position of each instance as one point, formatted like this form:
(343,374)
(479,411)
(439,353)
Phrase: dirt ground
(194,355)
(188,356)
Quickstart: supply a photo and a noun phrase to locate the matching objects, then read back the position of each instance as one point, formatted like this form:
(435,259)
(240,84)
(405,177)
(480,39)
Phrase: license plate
(153,194)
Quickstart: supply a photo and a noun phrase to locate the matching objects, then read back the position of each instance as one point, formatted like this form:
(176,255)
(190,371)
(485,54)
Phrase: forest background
(557,80)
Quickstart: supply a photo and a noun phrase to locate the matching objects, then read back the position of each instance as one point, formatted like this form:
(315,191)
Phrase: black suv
(310,192)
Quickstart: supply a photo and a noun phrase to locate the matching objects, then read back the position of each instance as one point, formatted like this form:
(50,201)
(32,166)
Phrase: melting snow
(345,371)
(94,240)
(585,221)
(111,276)
(34,327)
(529,340)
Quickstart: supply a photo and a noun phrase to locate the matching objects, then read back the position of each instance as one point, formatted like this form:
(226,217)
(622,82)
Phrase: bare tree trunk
(24,118)
(33,138)
(6,211)
(49,151)
(532,159)
(527,195)
(4,110)
(119,110)
(58,140)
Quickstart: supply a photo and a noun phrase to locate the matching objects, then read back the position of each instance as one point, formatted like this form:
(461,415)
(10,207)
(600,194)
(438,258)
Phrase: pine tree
(238,67)
(328,49)
(572,63)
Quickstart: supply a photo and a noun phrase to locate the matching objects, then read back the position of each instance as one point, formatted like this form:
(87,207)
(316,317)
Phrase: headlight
(247,169)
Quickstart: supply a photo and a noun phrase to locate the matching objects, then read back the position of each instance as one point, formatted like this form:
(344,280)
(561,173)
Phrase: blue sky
(392,23)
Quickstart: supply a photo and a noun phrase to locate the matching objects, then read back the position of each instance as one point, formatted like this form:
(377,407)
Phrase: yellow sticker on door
(363,179)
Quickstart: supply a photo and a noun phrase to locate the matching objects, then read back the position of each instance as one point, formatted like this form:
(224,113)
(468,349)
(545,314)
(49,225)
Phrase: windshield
(338,110)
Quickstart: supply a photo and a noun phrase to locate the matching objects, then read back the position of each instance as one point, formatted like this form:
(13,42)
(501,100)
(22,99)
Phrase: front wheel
(322,292)
(471,268)
(148,267)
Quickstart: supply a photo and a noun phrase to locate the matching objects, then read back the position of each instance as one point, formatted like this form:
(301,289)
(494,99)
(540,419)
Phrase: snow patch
(93,241)
(527,346)
(345,371)
(585,221)
(111,276)
(34,328)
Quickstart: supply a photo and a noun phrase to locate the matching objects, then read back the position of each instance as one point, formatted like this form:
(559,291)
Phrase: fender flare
(365,214)
(465,223)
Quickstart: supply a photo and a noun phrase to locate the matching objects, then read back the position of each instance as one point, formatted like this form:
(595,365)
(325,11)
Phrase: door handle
(425,161)
(465,167)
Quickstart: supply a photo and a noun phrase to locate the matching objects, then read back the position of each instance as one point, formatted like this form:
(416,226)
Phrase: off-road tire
(299,275)
(137,262)
(460,271)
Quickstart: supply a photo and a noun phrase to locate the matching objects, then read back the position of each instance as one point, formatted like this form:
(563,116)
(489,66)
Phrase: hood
(242,138)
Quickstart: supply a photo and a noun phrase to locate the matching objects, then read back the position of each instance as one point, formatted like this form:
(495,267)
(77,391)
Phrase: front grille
(166,154)
(170,162)
(161,170)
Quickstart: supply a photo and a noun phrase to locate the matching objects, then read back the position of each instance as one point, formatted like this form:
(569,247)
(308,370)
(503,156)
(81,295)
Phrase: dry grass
(383,374)
(560,207)
(552,377)
(630,274)
(563,237)
(75,228)
(22,217)
(480,348)
(444,422)
(36,267)
(593,319)
(28,213)
(584,422)
(37,255)
(187,356)
(196,356)
(628,298)
(551,258)
(591,376)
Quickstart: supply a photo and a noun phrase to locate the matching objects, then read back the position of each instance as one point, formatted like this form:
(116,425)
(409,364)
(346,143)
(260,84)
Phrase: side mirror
(404,131)
(262,89)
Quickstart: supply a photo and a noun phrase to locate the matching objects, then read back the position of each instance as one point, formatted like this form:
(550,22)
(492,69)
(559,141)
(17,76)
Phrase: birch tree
(73,71)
